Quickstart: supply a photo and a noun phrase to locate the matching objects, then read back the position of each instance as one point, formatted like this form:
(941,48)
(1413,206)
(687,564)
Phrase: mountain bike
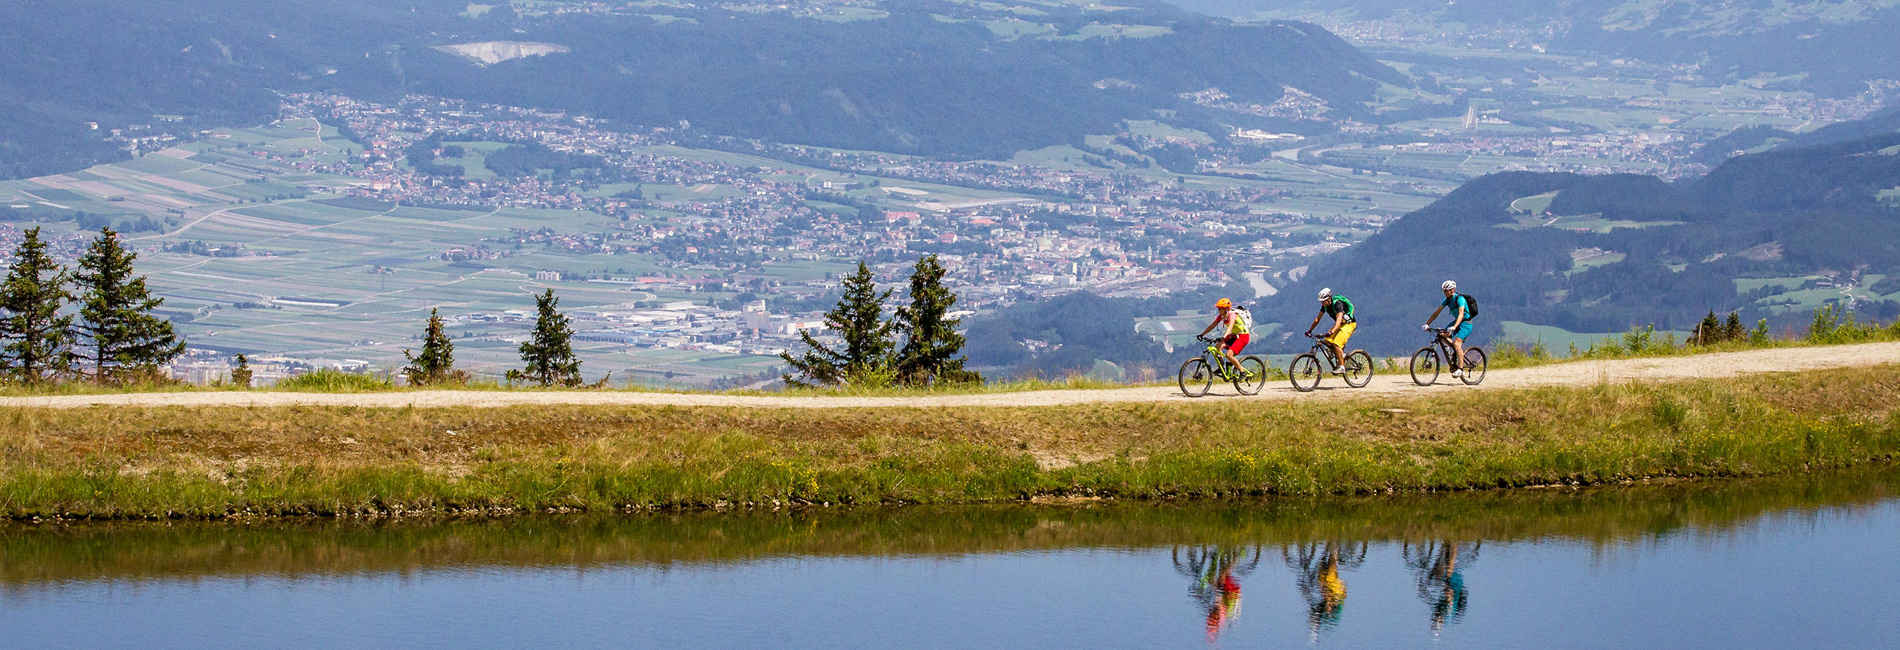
(1305,370)
(1429,359)
(1198,374)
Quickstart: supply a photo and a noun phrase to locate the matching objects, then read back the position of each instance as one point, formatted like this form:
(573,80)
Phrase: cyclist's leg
(1458,345)
(1338,343)
(1237,343)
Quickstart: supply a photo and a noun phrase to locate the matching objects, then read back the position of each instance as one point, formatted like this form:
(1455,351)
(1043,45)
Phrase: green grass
(138,551)
(330,380)
(215,462)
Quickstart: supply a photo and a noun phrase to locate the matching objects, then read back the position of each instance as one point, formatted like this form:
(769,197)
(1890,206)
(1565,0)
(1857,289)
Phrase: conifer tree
(548,354)
(123,337)
(241,375)
(930,339)
(858,318)
(38,339)
(1707,332)
(436,364)
(1732,330)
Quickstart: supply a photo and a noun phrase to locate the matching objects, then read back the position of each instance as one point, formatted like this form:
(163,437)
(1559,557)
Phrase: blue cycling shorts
(1464,331)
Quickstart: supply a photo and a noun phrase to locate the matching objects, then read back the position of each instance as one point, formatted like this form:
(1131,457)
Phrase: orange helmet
(1223,303)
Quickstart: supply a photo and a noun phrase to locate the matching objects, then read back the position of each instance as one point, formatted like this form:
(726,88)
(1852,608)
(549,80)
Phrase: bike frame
(1442,339)
(1215,360)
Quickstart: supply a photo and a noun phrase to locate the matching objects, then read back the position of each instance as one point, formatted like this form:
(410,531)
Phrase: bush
(1836,324)
(331,380)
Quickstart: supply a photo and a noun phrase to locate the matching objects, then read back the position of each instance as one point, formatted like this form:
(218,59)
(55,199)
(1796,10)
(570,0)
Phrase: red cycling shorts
(1240,341)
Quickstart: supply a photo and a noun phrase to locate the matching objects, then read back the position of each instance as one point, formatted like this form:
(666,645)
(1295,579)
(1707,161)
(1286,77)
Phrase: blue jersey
(1457,303)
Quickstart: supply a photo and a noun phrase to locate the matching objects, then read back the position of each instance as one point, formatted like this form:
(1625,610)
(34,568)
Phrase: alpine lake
(1809,561)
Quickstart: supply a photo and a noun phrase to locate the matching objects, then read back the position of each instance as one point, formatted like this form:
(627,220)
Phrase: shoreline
(351,461)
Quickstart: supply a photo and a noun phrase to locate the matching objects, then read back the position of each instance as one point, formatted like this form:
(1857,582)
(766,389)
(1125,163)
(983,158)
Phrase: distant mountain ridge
(1797,226)
(1827,46)
(913,81)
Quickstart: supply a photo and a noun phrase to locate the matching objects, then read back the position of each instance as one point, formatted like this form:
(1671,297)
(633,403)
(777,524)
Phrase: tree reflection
(1216,571)
(1318,565)
(1438,565)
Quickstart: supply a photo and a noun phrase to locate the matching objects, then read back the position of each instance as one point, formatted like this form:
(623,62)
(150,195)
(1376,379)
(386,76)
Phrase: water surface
(1804,562)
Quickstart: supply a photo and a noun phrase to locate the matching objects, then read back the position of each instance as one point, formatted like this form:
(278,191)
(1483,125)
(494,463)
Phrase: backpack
(1245,317)
(1471,307)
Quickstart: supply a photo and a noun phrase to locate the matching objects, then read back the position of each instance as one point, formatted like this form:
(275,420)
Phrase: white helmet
(1325,293)
(1448,286)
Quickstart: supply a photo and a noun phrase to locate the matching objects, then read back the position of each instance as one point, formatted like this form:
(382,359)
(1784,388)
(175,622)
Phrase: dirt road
(1583,373)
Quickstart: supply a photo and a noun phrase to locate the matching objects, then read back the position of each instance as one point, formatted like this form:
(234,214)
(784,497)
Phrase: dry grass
(208,462)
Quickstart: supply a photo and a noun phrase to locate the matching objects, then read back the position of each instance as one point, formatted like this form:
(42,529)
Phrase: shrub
(331,380)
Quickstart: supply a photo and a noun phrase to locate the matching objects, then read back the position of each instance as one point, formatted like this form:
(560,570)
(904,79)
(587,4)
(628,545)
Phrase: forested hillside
(916,80)
(1772,235)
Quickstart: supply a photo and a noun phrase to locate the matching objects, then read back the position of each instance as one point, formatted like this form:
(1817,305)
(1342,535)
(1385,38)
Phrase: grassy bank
(213,462)
(56,554)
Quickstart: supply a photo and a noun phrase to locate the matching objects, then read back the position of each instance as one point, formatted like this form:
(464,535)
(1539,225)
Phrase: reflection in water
(1033,575)
(1441,581)
(1318,566)
(1216,571)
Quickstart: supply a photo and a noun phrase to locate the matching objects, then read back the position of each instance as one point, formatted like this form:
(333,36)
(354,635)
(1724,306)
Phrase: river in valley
(1810,562)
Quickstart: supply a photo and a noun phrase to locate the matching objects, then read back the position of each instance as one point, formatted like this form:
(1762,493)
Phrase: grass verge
(215,462)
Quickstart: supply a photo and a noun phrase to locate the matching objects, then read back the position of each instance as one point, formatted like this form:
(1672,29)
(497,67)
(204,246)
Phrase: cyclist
(1239,330)
(1343,326)
(1460,324)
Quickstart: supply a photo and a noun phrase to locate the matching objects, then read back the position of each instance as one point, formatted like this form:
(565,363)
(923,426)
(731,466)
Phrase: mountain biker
(1460,324)
(1343,326)
(1239,330)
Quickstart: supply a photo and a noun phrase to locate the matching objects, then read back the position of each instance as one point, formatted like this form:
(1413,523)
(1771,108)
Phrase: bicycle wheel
(1358,369)
(1425,366)
(1474,366)
(1195,377)
(1305,372)
(1255,378)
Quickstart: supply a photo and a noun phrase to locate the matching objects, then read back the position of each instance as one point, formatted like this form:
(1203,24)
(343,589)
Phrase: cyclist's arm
(1435,313)
(1316,317)
(1459,317)
(1210,326)
(1335,330)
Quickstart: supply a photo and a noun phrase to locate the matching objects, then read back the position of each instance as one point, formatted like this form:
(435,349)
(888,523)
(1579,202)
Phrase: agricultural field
(321,277)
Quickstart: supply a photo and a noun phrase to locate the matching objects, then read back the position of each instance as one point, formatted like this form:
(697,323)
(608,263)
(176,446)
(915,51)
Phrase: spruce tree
(1732,330)
(548,354)
(1707,332)
(436,364)
(38,339)
(123,337)
(930,339)
(241,375)
(858,318)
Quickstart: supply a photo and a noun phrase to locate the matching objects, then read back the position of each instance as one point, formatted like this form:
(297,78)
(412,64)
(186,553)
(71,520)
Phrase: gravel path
(1706,366)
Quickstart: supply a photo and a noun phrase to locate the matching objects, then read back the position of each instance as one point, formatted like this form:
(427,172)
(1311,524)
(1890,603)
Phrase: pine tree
(930,339)
(1708,331)
(123,337)
(858,318)
(1732,330)
(241,375)
(38,339)
(436,364)
(548,354)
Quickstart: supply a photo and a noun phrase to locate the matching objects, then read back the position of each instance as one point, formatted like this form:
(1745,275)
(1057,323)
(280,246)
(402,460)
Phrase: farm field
(327,279)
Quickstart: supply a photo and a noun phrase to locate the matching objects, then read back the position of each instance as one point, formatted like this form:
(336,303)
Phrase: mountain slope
(917,80)
(1797,227)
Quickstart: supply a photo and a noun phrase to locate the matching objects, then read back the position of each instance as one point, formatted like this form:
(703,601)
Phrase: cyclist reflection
(1318,566)
(1441,582)
(1216,571)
